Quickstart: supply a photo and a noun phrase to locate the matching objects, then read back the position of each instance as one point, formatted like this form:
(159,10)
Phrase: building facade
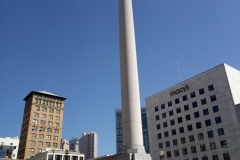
(64,144)
(119,136)
(88,145)
(74,144)
(9,147)
(197,119)
(56,154)
(41,124)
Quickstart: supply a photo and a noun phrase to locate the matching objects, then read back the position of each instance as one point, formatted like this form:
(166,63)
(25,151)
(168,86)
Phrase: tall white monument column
(131,114)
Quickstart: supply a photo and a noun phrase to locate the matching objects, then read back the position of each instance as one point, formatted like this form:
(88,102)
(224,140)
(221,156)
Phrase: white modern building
(58,154)
(197,119)
(88,145)
(74,144)
(8,146)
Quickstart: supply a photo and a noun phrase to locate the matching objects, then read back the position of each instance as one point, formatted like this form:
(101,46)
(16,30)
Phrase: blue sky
(70,48)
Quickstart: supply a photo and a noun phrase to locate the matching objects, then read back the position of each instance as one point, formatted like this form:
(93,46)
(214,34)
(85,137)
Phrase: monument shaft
(131,113)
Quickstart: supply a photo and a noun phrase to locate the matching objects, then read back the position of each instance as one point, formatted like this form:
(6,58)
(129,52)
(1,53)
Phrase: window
(33,136)
(39,150)
(213,98)
(208,122)
(56,131)
(164,124)
(171,113)
(162,106)
(50,123)
(37,108)
(193,149)
(159,136)
(55,138)
(181,130)
(169,103)
(34,128)
(218,120)
(196,114)
(35,121)
(210,88)
(184,151)
(48,137)
(167,143)
(168,154)
(160,146)
(177,101)
(40,144)
(41,129)
(220,132)
(166,134)
(205,112)
(31,150)
(47,144)
(223,144)
(178,110)
(41,136)
(51,110)
(36,115)
(180,120)
(189,127)
(210,134)
(58,111)
(164,115)
(174,132)
(195,159)
(188,117)
(184,98)
(56,124)
(215,108)
(194,104)
(175,142)
(156,108)
(213,145)
(201,91)
(203,101)
(172,122)
(157,117)
(57,118)
(193,94)
(202,147)
(32,143)
(183,140)
(43,116)
(205,158)
(200,136)
(44,109)
(49,130)
(43,122)
(198,125)
(186,107)
(176,152)
(55,145)
(50,117)
(226,156)
(215,157)
(191,138)
(158,127)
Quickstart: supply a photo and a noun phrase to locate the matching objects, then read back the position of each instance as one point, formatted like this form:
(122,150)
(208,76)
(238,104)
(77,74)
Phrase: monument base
(134,156)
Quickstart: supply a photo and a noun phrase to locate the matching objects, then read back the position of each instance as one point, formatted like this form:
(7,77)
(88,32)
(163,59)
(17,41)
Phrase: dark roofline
(32,92)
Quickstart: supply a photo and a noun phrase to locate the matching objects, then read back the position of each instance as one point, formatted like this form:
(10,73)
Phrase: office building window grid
(208,112)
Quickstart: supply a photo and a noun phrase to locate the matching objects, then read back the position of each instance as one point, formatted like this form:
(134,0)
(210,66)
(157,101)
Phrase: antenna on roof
(178,71)
(45,87)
